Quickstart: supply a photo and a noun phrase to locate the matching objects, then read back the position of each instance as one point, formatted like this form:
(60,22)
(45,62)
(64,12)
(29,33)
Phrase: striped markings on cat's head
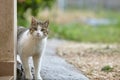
(39,29)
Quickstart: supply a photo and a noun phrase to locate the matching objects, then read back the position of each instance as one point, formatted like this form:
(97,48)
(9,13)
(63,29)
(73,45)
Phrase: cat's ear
(46,23)
(33,21)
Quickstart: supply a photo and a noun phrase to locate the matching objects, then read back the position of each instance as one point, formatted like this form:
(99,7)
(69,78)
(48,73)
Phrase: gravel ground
(96,60)
(56,68)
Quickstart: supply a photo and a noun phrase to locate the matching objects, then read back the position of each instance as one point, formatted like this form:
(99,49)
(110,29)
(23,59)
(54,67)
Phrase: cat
(32,43)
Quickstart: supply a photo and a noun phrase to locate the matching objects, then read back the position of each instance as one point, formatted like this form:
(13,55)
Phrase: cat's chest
(31,47)
(34,46)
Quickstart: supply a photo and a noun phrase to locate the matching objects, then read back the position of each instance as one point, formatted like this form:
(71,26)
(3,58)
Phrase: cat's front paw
(38,78)
(29,77)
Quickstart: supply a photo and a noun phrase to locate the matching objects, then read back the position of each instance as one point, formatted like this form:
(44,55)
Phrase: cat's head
(39,29)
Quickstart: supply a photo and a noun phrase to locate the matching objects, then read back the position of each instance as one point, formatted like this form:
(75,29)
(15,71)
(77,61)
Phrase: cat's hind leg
(37,66)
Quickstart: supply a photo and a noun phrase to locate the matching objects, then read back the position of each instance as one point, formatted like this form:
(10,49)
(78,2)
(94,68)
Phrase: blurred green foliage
(86,33)
(34,5)
(73,31)
(82,32)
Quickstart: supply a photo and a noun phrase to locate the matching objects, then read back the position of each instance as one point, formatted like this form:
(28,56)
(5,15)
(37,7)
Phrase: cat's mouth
(38,36)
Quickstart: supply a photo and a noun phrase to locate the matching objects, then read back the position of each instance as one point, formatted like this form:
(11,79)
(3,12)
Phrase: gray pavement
(55,67)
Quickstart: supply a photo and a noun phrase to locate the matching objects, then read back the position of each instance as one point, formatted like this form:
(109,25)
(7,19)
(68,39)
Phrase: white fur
(32,46)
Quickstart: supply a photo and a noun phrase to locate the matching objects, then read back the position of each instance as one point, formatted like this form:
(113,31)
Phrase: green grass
(86,33)
(107,68)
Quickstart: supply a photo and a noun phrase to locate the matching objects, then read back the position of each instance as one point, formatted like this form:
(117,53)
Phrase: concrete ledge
(6,69)
(7,78)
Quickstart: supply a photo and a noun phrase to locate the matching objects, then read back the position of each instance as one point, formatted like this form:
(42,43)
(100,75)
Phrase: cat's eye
(42,29)
(35,28)
(38,23)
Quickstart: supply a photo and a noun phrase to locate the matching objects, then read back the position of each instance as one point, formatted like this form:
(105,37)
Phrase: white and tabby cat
(32,43)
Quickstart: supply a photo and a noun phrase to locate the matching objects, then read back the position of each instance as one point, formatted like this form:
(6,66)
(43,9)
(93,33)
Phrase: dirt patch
(96,61)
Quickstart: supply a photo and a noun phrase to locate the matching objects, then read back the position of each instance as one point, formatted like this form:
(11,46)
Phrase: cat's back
(20,31)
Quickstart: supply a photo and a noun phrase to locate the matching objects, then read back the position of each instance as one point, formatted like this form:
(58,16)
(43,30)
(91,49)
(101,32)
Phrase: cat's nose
(38,34)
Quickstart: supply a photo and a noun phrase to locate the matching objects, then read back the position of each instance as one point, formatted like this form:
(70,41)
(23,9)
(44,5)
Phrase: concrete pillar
(7,38)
